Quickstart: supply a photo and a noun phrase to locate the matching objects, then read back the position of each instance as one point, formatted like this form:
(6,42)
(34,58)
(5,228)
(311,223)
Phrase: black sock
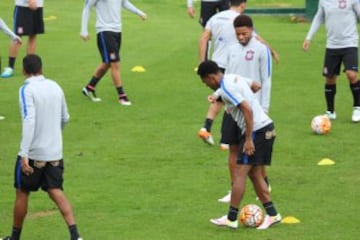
(121,93)
(270,209)
(208,124)
(15,233)
(355,89)
(93,81)
(12,62)
(74,232)
(330,91)
(233,213)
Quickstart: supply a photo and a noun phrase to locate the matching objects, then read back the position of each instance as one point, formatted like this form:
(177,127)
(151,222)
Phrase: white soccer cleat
(8,72)
(224,222)
(269,221)
(91,95)
(206,136)
(331,115)
(356,114)
(125,102)
(226,198)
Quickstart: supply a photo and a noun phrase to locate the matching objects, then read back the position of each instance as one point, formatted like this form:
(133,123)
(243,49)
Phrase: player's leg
(52,183)
(230,134)
(332,64)
(31,44)
(351,69)
(205,131)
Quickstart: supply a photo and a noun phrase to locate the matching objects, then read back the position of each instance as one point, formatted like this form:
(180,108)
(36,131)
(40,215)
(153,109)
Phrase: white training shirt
(340,18)
(234,89)
(222,34)
(44,113)
(254,61)
(24,3)
(108,15)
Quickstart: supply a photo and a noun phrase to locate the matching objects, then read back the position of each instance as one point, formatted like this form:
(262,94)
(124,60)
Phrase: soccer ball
(251,215)
(321,124)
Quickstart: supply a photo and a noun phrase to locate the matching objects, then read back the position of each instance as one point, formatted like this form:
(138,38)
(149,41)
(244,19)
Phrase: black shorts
(230,131)
(334,58)
(48,175)
(209,9)
(263,141)
(28,22)
(109,44)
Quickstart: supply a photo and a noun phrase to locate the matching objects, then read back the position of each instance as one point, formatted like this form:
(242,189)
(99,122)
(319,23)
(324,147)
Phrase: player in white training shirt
(342,39)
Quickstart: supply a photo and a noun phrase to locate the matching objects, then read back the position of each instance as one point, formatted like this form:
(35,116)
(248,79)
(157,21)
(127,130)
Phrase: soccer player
(256,141)
(28,21)
(39,162)
(250,58)
(108,28)
(342,40)
(218,29)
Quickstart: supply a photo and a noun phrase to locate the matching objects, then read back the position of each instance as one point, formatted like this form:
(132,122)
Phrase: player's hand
(306,45)
(212,98)
(249,147)
(25,167)
(32,5)
(84,37)
(191,12)
(143,17)
(17,40)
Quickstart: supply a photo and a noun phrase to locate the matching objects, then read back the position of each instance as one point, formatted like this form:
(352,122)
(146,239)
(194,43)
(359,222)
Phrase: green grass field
(141,172)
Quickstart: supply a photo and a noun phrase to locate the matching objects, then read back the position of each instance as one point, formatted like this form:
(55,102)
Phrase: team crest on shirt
(249,55)
(342,4)
(112,56)
(20,30)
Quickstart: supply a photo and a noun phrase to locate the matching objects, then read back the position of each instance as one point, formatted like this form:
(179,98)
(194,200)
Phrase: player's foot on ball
(269,221)
(90,94)
(226,198)
(206,136)
(224,222)
(331,115)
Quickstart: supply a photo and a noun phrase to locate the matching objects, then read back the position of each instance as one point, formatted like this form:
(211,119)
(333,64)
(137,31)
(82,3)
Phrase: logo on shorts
(20,30)
(249,55)
(325,71)
(270,134)
(112,56)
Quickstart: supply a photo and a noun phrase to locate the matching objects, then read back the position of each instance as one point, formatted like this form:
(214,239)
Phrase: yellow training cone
(326,162)
(138,69)
(195,69)
(49,18)
(290,220)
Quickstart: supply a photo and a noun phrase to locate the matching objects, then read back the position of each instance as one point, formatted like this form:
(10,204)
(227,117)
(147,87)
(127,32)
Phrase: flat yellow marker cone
(138,69)
(290,220)
(195,69)
(326,162)
(49,18)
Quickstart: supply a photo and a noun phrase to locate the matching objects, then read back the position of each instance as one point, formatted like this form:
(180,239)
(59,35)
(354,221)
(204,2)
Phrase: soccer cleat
(91,95)
(206,136)
(226,198)
(269,221)
(356,114)
(224,222)
(331,115)
(8,72)
(124,102)
(224,146)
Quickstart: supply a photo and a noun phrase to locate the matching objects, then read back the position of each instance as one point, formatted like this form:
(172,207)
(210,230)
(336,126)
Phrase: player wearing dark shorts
(109,44)
(28,21)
